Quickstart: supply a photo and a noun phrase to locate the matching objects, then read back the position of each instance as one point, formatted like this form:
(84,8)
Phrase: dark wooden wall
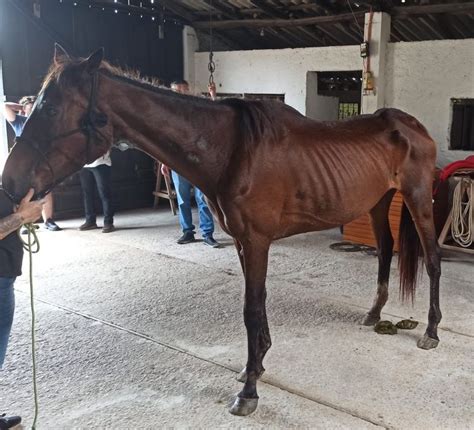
(26,50)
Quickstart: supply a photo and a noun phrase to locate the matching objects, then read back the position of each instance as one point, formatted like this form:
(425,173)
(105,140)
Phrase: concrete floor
(135,331)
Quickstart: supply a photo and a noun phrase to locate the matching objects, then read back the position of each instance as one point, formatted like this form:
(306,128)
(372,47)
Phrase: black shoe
(187,237)
(210,241)
(108,228)
(9,422)
(88,226)
(51,225)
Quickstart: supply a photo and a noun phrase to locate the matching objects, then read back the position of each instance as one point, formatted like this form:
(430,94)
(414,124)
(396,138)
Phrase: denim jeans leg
(103,179)
(206,223)
(7,309)
(88,193)
(183,192)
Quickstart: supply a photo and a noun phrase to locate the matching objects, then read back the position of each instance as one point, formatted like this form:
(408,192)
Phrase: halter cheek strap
(88,125)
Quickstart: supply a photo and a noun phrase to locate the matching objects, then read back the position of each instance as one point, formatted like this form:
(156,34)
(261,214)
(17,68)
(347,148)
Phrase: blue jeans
(7,309)
(100,176)
(183,192)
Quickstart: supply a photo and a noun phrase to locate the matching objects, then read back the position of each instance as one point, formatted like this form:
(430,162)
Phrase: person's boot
(9,422)
(108,228)
(187,237)
(88,225)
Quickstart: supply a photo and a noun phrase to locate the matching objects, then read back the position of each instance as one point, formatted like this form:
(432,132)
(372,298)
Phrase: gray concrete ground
(135,331)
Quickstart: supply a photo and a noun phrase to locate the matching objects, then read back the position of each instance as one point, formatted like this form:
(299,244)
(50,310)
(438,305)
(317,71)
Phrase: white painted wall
(421,77)
(273,71)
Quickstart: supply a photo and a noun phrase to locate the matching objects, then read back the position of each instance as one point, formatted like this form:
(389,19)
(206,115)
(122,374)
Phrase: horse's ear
(60,54)
(93,62)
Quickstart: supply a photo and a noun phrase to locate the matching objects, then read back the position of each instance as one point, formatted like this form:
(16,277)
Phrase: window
(348,109)
(462,125)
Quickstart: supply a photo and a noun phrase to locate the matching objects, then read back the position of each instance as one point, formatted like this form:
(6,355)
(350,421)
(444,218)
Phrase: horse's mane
(57,70)
(257,117)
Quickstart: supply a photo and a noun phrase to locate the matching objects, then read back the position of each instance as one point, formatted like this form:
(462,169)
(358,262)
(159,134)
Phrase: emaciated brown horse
(267,171)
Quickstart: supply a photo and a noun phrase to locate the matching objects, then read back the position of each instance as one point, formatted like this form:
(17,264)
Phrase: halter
(89,126)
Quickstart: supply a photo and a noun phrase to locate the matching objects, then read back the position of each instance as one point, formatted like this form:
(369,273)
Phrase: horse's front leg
(255,259)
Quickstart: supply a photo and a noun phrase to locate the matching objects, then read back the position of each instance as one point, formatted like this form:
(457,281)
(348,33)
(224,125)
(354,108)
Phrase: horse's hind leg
(383,236)
(255,259)
(419,203)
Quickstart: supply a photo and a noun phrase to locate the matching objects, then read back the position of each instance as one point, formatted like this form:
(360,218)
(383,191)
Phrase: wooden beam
(261,23)
(396,12)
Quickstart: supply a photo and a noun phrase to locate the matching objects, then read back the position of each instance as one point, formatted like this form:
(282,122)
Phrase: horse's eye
(51,110)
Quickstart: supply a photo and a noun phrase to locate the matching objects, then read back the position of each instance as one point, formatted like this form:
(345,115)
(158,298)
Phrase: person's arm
(10,110)
(26,212)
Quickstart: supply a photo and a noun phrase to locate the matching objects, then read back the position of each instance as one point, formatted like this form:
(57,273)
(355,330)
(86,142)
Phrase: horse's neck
(192,137)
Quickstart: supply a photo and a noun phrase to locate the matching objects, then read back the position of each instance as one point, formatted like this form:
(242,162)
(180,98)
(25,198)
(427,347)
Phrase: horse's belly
(322,212)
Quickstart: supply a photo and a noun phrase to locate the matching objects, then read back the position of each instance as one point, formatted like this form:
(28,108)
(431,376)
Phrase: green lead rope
(32,247)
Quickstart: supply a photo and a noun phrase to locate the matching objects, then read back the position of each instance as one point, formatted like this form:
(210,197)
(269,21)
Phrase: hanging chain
(211,65)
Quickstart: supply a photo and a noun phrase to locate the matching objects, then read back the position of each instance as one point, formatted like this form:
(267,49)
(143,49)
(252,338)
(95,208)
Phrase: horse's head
(66,128)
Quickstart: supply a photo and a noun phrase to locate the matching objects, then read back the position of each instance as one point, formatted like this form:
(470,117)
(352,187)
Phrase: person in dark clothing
(98,174)
(11,257)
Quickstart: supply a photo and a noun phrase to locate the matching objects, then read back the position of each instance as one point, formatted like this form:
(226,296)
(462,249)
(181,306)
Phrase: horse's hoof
(427,342)
(370,320)
(242,376)
(243,407)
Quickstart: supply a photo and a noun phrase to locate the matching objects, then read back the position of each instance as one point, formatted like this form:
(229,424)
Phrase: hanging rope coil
(462,227)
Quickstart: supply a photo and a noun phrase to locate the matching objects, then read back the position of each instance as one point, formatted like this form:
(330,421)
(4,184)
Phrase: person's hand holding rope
(28,210)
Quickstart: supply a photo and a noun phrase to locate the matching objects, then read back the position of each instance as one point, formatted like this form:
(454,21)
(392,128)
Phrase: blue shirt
(18,123)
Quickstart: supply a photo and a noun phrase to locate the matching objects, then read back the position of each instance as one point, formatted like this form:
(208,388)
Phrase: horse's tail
(409,248)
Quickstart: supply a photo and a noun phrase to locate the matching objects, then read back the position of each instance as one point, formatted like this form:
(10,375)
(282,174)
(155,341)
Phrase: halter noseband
(89,126)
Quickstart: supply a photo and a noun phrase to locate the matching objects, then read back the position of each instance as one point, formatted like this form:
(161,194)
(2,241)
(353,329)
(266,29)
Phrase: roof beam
(396,12)
(260,23)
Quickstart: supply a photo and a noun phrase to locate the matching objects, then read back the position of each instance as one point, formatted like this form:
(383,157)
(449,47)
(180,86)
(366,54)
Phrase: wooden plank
(360,230)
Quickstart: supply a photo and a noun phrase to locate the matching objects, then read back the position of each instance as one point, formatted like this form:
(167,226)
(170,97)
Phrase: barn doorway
(333,95)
